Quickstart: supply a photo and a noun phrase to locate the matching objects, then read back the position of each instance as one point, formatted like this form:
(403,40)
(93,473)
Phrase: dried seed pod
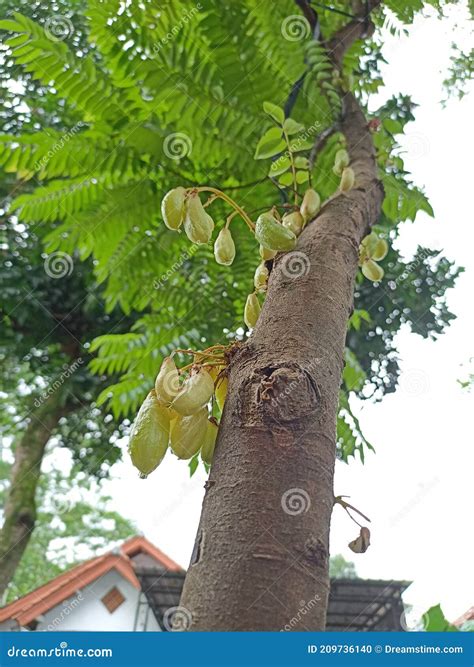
(272,235)
(224,247)
(260,278)
(209,442)
(252,310)
(267,254)
(188,433)
(347,179)
(341,158)
(173,208)
(293,221)
(198,225)
(221,392)
(195,393)
(150,435)
(167,382)
(372,271)
(310,205)
(380,250)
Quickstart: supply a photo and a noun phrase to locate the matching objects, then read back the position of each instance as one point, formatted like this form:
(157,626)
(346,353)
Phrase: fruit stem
(231,202)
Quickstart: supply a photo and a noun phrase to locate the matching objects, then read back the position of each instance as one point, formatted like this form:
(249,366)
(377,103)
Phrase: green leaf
(435,621)
(270,144)
(286,179)
(302,177)
(12,26)
(290,126)
(274,111)
(193,464)
(279,166)
(302,162)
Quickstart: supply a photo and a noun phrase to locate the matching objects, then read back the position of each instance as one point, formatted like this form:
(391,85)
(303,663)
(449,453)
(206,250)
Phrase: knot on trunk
(278,394)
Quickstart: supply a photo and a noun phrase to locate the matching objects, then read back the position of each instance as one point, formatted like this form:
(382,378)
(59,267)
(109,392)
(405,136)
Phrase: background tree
(163,111)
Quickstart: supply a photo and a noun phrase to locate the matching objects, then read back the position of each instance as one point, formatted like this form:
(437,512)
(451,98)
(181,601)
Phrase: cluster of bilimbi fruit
(175,413)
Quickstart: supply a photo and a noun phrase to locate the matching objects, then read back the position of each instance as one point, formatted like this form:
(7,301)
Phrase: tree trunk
(261,555)
(20,505)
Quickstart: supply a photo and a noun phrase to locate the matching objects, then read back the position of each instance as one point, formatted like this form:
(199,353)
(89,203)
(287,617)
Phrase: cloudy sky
(416,488)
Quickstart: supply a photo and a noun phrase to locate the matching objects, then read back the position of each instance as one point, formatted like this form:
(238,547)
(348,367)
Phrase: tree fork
(261,551)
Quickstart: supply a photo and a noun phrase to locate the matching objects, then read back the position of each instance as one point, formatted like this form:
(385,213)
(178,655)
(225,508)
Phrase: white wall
(86,612)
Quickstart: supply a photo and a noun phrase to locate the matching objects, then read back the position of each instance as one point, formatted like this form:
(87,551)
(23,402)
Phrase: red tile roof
(467,616)
(30,606)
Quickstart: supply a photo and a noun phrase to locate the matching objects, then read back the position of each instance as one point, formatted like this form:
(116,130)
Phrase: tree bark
(20,505)
(261,555)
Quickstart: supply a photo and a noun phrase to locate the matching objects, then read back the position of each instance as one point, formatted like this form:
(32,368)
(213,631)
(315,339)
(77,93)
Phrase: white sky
(417,488)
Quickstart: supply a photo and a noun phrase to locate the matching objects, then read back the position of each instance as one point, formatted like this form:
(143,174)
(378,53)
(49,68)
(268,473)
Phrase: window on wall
(113,599)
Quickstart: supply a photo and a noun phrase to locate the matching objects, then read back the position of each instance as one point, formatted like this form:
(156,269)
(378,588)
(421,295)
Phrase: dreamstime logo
(177,619)
(414,382)
(185,255)
(58,28)
(295,265)
(61,505)
(58,146)
(413,620)
(417,145)
(58,265)
(68,370)
(177,145)
(68,607)
(177,27)
(295,501)
(294,28)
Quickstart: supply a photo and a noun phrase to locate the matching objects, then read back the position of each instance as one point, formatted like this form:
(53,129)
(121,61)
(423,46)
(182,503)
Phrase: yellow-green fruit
(221,392)
(372,270)
(198,225)
(224,247)
(150,435)
(260,278)
(272,235)
(173,208)
(293,221)
(380,250)
(310,205)
(188,433)
(167,382)
(252,310)
(196,392)
(342,158)
(267,254)
(209,442)
(347,179)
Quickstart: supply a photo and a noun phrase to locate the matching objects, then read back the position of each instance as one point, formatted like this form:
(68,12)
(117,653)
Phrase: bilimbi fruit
(221,392)
(173,208)
(224,247)
(341,161)
(310,205)
(293,221)
(272,235)
(167,382)
(347,179)
(195,393)
(372,271)
(380,251)
(198,225)
(267,254)
(373,247)
(260,278)
(150,435)
(188,433)
(209,442)
(252,310)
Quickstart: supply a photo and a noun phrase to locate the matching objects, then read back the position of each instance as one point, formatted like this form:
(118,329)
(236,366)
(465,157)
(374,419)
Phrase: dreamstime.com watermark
(54,386)
(61,651)
(176,29)
(185,255)
(296,144)
(65,611)
(58,146)
(305,607)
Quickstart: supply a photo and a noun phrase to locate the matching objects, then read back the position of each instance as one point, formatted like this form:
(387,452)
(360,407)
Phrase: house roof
(467,616)
(42,599)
